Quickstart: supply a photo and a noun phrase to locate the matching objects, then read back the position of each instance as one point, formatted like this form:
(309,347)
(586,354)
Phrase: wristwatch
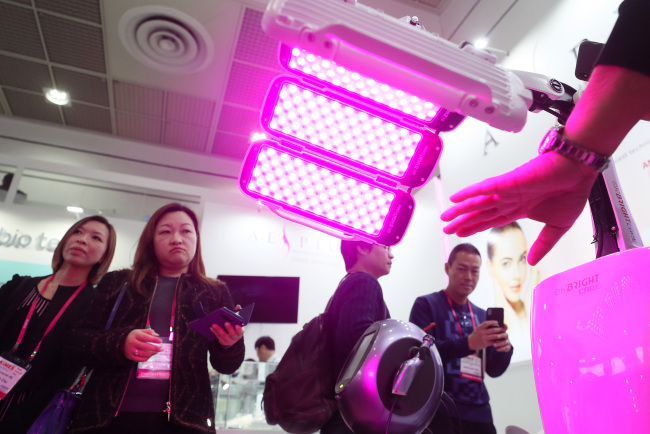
(556,142)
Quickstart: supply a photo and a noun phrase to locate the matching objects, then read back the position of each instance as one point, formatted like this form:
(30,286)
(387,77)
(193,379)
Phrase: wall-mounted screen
(275,298)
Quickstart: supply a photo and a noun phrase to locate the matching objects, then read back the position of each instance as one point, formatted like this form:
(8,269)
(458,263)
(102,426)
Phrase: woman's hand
(141,344)
(227,335)
(550,188)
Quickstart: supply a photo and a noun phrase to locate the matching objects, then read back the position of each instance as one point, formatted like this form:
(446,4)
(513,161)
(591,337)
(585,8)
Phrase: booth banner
(507,280)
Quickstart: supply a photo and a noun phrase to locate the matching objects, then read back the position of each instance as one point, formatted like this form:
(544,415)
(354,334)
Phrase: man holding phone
(470,345)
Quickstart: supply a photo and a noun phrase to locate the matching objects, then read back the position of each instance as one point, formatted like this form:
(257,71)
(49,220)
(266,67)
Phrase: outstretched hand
(550,188)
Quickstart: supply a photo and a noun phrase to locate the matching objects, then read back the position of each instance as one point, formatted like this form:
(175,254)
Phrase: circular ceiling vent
(166,39)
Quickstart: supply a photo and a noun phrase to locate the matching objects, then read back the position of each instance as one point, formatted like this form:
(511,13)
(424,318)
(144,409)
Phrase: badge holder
(12,369)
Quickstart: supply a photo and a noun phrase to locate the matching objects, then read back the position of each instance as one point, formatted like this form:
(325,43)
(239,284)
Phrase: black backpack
(299,394)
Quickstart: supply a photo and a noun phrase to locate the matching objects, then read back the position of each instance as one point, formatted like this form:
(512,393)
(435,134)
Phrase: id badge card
(470,368)
(159,366)
(12,369)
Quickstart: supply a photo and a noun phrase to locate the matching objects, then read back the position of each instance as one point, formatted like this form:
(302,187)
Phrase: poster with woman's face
(507,280)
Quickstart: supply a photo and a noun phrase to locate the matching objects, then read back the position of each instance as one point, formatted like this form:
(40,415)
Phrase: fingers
(486,187)
(470,205)
(481,225)
(227,335)
(546,240)
(141,344)
(503,345)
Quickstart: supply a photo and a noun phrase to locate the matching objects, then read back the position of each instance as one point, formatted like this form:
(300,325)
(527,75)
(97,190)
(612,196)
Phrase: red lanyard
(49,327)
(171,323)
(460,331)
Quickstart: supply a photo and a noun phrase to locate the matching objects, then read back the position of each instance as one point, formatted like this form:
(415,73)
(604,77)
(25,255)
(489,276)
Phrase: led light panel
(374,44)
(350,132)
(307,186)
(300,62)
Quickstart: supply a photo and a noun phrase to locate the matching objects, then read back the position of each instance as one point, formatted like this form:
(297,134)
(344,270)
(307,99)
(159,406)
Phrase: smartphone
(495,314)
(588,54)
(220,317)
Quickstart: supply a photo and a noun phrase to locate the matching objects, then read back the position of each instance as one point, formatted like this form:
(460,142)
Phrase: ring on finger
(135,352)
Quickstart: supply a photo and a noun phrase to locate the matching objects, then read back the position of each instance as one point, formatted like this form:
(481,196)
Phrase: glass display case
(238,398)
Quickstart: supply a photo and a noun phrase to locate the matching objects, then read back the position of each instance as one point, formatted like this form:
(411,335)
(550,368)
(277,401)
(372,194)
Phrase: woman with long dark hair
(37,313)
(150,368)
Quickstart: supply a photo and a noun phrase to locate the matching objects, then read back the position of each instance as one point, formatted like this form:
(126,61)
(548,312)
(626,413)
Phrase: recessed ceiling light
(57,97)
(75,209)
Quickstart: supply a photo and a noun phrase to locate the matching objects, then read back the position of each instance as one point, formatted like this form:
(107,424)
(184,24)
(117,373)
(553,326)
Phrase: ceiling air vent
(166,39)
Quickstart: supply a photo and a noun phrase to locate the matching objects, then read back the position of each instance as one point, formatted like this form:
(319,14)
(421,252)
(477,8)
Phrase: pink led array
(384,94)
(345,130)
(320,191)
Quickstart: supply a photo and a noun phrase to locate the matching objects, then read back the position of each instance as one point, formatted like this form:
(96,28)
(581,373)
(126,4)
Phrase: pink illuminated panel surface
(298,60)
(345,130)
(308,186)
(350,132)
(591,346)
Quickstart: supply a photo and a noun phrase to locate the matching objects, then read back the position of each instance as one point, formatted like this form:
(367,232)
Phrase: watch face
(548,140)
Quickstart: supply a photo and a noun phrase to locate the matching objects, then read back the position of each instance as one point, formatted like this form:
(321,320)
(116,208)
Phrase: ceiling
(203,99)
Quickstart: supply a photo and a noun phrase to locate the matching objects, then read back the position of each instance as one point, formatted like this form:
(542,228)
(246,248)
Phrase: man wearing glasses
(357,303)
(469,346)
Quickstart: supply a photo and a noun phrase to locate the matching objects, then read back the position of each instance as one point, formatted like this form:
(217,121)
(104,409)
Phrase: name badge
(159,366)
(470,368)
(12,369)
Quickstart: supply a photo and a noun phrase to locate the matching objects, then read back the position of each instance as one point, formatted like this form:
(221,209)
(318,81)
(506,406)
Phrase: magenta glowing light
(591,346)
(327,123)
(320,191)
(311,187)
(300,61)
(350,132)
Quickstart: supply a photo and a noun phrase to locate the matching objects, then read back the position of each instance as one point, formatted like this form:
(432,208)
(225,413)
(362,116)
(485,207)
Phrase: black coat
(191,396)
(50,369)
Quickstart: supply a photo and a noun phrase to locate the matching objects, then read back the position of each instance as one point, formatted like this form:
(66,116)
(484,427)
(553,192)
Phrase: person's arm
(361,304)
(551,188)
(497,361)
(7,291)
(88,342)
(227,351)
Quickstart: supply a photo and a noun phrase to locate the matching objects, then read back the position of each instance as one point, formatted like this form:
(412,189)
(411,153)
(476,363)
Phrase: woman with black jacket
(37,313)
(150,368)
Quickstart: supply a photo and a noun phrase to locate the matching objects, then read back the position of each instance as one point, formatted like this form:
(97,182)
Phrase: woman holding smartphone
(150,368)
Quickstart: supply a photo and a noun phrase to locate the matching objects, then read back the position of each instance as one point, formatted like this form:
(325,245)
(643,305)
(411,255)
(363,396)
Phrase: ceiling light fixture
(481,43)
(56,96)
(75,209)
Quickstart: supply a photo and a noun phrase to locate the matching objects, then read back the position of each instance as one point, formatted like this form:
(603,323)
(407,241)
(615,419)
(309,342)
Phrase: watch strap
(556,142)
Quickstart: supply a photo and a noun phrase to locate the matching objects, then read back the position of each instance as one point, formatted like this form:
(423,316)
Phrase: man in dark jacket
(357,303)
(469,346)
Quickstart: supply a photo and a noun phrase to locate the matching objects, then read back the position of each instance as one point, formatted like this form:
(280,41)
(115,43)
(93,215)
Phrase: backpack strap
(84,375)
(115,306)
(326,314)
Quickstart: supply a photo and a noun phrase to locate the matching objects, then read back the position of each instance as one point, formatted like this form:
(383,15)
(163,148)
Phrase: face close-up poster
(506,279)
